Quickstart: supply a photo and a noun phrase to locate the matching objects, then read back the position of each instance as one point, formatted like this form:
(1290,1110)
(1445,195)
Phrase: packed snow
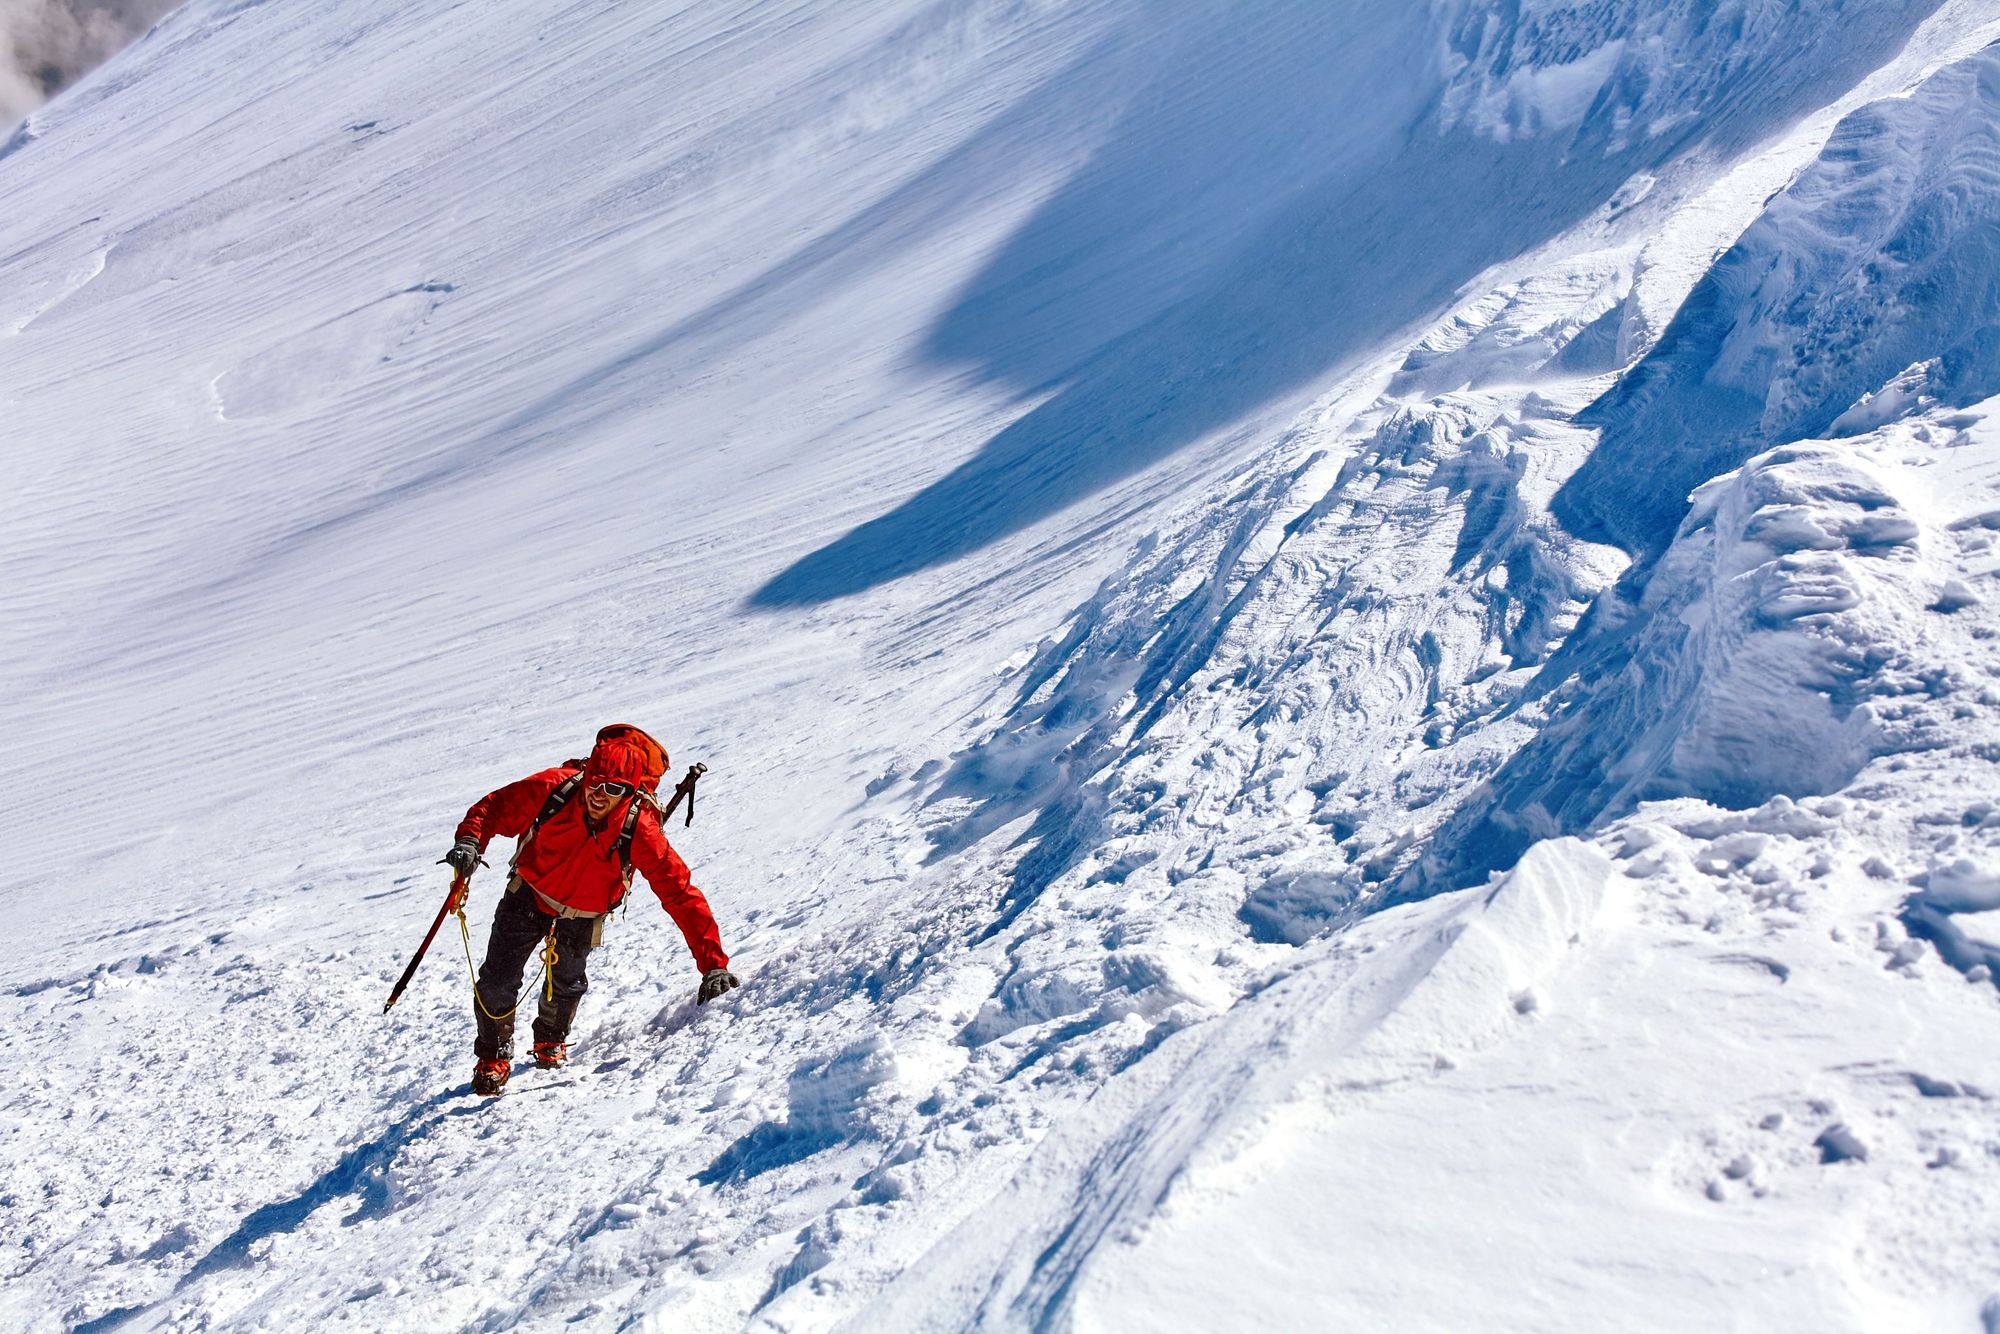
(1345,651)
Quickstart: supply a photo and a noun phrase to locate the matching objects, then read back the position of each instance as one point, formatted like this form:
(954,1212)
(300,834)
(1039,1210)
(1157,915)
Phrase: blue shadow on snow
(1275,199)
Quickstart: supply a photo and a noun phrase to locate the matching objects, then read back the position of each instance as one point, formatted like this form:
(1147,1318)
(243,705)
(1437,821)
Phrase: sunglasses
(613,789)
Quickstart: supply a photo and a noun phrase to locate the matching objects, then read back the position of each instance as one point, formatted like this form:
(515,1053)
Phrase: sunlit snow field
(1345,652)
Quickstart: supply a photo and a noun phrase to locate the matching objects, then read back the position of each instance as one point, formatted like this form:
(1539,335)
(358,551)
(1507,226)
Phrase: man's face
(599,803)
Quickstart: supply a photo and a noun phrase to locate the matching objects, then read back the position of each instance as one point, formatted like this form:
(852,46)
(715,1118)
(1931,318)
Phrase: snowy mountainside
(787,379)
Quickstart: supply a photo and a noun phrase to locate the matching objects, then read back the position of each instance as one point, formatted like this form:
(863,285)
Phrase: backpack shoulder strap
(557,799)
(630,830)
(626,834)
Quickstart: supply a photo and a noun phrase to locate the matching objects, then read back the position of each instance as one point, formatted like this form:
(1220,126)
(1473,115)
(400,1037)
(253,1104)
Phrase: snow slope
(1244,789)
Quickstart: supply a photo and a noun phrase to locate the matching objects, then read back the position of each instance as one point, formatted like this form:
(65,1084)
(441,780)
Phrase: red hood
(624,754)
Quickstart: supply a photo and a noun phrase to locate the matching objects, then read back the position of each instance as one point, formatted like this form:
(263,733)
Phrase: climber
(583,828)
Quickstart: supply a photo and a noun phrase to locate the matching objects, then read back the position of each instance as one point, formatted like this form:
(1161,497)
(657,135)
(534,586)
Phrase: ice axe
(461,884)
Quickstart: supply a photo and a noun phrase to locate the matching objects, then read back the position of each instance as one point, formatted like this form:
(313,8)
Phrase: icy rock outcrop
(1882,256)
(1612,77)
(1765,657)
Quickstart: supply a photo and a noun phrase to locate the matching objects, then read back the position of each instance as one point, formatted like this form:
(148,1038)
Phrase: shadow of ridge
(1323,282)
(1298,301)
(362,1170)
(1336,262)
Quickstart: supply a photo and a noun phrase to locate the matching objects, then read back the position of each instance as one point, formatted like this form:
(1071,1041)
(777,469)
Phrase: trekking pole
(685,789)
(460,886)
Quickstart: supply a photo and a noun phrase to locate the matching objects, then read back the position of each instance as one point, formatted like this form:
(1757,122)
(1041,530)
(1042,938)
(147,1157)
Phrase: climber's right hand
(464,855)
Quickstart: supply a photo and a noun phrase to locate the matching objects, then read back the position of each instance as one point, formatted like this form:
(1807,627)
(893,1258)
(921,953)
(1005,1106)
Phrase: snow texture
(1346,655)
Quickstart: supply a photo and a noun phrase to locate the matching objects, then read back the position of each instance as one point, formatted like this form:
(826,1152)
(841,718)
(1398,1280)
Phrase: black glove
(464,855)
(713,983)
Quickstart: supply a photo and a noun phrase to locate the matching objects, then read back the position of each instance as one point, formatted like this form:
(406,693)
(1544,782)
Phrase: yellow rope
(548,969)
(548,966)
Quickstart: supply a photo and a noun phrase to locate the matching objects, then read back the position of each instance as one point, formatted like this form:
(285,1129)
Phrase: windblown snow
(1346,651)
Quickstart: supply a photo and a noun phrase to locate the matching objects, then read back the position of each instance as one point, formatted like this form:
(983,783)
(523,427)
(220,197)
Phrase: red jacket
(574,864)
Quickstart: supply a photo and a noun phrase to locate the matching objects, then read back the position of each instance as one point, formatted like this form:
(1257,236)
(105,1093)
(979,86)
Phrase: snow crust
(1346,655)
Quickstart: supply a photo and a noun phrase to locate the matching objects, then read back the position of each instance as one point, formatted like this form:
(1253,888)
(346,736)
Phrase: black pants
(519,928)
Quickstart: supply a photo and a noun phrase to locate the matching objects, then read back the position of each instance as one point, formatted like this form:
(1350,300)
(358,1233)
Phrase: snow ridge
(1879,257)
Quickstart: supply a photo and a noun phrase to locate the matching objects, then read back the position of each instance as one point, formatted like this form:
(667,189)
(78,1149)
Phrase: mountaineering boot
(493,1048)
(552,1021)
(494,1040)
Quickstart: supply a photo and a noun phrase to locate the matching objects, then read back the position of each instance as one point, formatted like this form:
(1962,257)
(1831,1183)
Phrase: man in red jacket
(583,831)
